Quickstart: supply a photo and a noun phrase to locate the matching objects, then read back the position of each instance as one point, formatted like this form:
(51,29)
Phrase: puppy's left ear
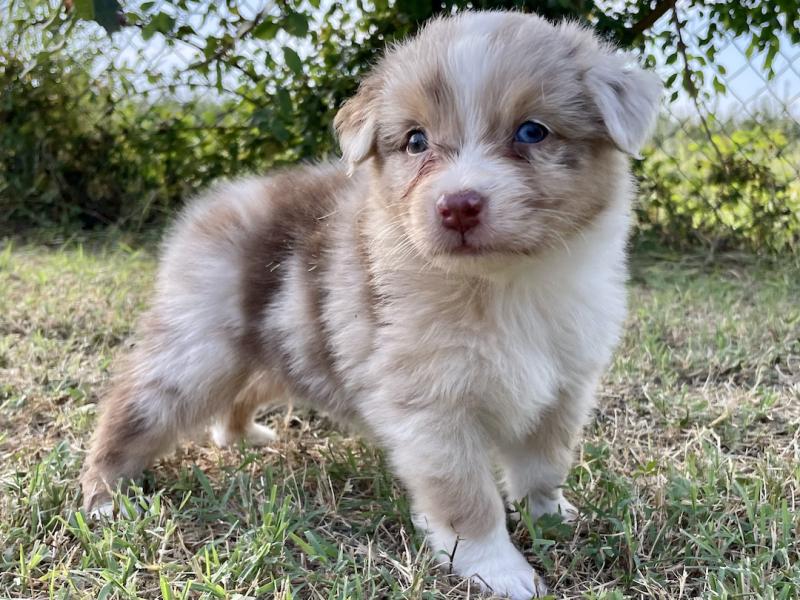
(627,98)
(355,124)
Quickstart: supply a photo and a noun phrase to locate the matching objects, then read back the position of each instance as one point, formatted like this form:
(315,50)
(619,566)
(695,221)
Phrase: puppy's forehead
(486,71)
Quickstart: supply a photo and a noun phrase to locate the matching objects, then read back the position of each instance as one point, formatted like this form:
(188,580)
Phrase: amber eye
(417,142)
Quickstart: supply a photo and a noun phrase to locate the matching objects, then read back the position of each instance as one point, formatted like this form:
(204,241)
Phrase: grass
(689,478)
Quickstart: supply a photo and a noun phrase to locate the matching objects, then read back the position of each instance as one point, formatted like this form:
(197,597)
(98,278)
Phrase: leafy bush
(85,145)
(73,155)
(735,190)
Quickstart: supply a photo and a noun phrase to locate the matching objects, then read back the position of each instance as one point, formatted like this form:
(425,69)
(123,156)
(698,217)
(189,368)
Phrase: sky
(749,89)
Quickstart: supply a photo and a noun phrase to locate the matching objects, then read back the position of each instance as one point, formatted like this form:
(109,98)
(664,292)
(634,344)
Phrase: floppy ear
(355,123)
(627,97)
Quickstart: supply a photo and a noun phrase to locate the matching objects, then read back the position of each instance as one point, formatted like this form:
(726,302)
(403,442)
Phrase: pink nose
(460,211)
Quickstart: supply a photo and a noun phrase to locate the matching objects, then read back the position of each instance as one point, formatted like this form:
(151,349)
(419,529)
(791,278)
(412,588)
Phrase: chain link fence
(725,161)
(186,92)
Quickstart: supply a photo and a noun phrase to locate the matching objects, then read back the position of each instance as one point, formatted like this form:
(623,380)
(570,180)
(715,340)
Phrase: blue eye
(417,142)
(530,132)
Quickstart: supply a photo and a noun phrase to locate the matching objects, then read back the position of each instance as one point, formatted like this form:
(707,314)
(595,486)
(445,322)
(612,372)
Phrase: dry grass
(688,479)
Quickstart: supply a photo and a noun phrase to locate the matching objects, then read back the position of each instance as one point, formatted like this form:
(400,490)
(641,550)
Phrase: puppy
(457,287)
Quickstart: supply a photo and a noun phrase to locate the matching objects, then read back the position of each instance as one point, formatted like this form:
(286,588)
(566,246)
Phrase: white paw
(492,562)
(255,435)
(517,583)
(105,511)
(259,435)
(542,505)
(102,511)
(220,435)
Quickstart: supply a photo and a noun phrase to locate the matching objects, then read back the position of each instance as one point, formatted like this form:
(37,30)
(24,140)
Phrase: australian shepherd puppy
(455,285)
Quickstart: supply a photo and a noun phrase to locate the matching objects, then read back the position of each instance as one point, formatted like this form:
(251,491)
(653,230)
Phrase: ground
(688,479)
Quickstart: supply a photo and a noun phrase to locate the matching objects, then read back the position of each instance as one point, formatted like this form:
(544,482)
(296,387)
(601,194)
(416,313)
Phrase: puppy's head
(496,132)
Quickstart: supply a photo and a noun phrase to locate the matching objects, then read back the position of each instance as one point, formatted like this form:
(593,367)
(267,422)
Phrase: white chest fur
(512,345)
(545,340)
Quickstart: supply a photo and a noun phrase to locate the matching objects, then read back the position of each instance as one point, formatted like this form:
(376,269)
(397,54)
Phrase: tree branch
(689,83)
(650,18)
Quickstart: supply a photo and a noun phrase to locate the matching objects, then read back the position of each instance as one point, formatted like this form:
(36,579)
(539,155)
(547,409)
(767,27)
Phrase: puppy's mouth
(462,244)
(465,248)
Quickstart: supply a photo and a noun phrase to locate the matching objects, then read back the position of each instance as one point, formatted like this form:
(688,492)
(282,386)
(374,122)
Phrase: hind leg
(238,423)
(154,401)
(192,355)
(127,439)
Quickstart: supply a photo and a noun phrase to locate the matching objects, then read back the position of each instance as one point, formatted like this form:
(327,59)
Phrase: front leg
(536,467)
(442,460)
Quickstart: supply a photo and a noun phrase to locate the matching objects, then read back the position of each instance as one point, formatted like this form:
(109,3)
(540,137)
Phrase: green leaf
(266,30)
(768,60)
(296,24)
(159,23)
(284,103)
(293,61)
(671,80)
(212,44)
(106,13)
(416,10)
